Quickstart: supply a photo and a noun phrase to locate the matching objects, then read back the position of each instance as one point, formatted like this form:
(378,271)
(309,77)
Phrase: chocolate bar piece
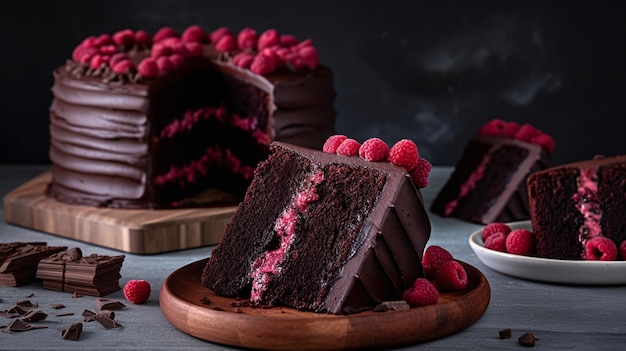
(70,271)
(19,260)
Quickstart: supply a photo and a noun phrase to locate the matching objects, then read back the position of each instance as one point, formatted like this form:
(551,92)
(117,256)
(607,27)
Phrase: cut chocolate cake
(142,121)
(488,183)
(323,232)
(573,203)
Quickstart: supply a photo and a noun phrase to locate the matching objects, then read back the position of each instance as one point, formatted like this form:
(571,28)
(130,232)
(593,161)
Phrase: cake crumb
(505,333)
(528,340)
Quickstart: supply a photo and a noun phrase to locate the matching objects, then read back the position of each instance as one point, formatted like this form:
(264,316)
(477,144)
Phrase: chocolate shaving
(6,314)
(26,303)
(57,306)
(73,331)
(505,333)
(528,340)
(30,295)
(392,306)
(88,316)
(64,314)
(106,322)
(34,316)
(17,325)
(108,304)
(17,309)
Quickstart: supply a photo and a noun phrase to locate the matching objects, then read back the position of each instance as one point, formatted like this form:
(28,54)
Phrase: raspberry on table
(137,291)
(433,258)
(495,227)
(496,241)
(451,276)
(600,248)
(421,293)
(520,242)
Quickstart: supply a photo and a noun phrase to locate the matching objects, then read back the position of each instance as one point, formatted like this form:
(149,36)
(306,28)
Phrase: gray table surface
(560,316)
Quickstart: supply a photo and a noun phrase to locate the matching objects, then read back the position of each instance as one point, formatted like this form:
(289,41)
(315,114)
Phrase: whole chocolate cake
(142,121)
(488,183)
(573,203)
(322,232)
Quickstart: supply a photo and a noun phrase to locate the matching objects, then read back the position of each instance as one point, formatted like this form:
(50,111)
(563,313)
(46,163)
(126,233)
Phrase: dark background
(431,71)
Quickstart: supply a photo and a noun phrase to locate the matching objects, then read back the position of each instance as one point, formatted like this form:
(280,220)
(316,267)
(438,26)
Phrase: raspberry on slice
(137,291)
(333,142)
(421,293)
(622,250)
(495,227)
(520,242)
(404,154)
(496,241)
(526,132)
(419,175)
(434,257)
(451,276)
(348,147)
(545,141)
(374,149)
(600,249)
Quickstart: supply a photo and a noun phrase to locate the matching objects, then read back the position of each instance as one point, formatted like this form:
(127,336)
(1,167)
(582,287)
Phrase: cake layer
(341,235)
(573,203)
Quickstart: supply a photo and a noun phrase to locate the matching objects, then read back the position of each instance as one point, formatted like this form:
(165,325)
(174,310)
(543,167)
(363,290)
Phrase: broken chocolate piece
(109,304)
(34,316)
(528,340)
(88,316)
(18,325)
(505,333)
(400,305)
(73,331)
(106,322)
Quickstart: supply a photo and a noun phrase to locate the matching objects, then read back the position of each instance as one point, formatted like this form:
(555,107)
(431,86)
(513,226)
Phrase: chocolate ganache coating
(106,127)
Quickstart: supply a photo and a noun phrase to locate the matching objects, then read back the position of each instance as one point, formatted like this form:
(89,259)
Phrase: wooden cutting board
(132,231)
(280,328)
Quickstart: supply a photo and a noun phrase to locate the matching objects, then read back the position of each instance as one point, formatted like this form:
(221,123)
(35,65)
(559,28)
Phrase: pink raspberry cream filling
(467,186)
(285,228)
(586,201)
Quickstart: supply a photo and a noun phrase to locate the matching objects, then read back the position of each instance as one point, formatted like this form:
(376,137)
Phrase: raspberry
(263,64)
(492,127)
(545,141)
(268,38)
(137,291)
(226,43)
(143,38)
(98,60)
(148,68)
(600,248)
(120,56)
(333,142)
(622,250)
(288,40)
(84,54)
(302,44)
(159,49)
(434,257)
(495,227)
(164,33)
(451,276)
(165,64)
(520,242)
(108,49)
(496,241)
(177,59)
(374,149)
(194,34)
(404,154)
(124,66)
(247,38)
(526,132)
(217,34)
(124,37)
(243,60)
(194,49)
(421,293)
(309,56)
(348,147)
(419,175)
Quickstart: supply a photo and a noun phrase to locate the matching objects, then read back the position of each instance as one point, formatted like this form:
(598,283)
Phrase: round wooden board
(281,328)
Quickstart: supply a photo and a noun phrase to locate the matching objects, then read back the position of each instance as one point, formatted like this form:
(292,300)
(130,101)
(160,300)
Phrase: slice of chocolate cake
(322,232)
(573,203)
(488,183)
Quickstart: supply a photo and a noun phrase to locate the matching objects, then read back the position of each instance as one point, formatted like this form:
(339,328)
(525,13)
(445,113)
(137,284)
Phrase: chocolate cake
(572,203)
(488,183)
(142,121)
(322,232)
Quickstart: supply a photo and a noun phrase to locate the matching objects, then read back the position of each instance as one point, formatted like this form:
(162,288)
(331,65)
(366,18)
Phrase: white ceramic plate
(579,272)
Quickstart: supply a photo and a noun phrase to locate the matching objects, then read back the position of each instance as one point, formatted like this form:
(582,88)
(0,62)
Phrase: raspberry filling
(191,118)
(467,186)
(587,202)
(285,228)
(190,172)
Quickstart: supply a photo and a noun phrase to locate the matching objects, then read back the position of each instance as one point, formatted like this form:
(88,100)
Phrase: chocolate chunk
(528,340)
(109,304)
(34,316)
(400,305)
(505,333)
(73,331)
(106,322)
(88,316)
